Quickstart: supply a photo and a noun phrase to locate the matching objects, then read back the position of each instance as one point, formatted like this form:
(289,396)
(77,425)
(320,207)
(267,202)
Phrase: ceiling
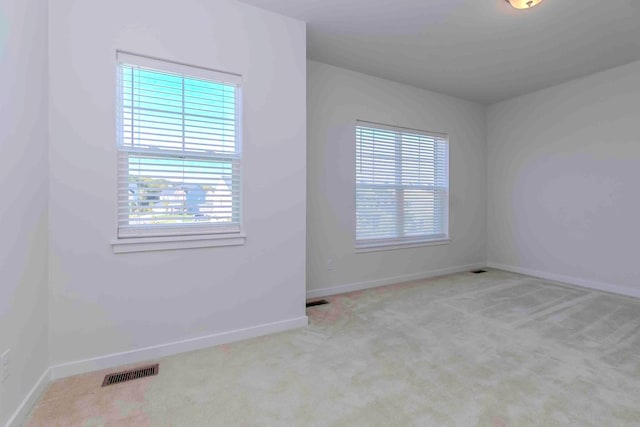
(481,50)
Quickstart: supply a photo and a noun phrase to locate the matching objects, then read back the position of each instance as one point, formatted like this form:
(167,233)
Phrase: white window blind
(179,149)
(402,186)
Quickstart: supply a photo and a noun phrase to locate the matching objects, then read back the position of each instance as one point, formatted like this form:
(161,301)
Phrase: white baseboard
(350,287)
(20,415)
(169,349)
(584,283)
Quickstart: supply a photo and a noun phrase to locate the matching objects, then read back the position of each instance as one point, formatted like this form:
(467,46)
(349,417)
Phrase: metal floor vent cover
(479,271)
(133,374)
(318,302)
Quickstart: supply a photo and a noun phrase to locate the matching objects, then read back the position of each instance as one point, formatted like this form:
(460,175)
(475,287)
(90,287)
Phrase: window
(179,150)
(402,186)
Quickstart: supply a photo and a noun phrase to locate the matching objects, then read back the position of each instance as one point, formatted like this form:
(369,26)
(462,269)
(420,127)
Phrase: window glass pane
(173,112)
(175,191)
(376,213)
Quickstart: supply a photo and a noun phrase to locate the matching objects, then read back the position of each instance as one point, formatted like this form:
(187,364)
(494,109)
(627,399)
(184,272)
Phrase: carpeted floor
(495,349)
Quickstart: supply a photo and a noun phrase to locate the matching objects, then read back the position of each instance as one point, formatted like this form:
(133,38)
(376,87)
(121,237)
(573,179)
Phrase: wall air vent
(317,302)
(133,374)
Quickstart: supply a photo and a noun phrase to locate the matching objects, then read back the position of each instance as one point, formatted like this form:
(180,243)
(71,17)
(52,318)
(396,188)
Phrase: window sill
(168,243)
(377,247)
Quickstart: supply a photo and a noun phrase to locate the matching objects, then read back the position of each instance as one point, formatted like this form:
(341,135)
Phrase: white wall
(563,178)
(336,98)
(23,185)
(103,303)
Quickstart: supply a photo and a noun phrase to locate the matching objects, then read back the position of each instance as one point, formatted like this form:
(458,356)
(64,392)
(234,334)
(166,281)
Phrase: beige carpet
(495,349)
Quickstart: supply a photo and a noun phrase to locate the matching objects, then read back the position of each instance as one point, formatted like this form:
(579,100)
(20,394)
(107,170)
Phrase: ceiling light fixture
(523,4)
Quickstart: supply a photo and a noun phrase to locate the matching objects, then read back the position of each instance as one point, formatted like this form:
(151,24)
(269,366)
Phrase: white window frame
(186,236)
(401,242)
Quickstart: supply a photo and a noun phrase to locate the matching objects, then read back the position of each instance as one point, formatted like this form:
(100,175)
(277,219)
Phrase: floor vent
(318,302)
(133,374)
(479,271)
